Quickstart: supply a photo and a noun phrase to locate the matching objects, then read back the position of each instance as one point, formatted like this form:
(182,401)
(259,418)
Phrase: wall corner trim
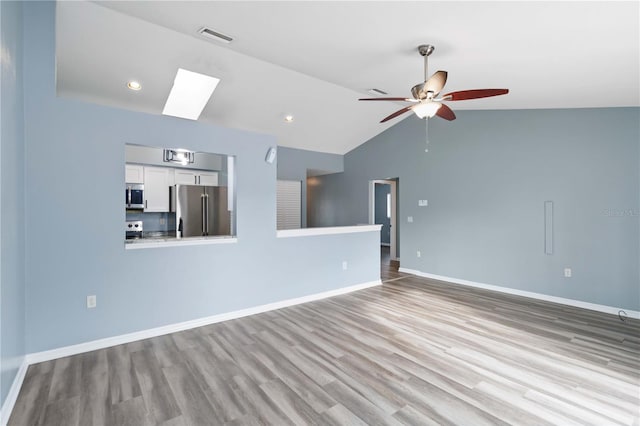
(14,390)
(539,296)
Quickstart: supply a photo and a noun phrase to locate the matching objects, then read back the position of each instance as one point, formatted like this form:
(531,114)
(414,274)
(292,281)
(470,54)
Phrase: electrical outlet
(567,272)
(423,203)
(163,221)
(345,265)
(410,219)
(418,254)
(91,301)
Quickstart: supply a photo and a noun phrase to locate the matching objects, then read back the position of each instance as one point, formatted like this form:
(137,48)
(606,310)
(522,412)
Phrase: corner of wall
(12,268)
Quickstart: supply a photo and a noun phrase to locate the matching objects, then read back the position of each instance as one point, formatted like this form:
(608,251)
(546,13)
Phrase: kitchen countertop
(166,239)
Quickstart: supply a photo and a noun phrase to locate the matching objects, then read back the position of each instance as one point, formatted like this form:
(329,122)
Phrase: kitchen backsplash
(154,222)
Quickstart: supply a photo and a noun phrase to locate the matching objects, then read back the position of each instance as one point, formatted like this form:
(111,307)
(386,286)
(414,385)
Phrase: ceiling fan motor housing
(426,49)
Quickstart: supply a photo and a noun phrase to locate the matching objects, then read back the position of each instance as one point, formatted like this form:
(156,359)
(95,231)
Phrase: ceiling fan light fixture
(426,109)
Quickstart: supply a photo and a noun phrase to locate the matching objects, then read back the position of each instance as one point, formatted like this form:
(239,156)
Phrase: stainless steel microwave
(134,196)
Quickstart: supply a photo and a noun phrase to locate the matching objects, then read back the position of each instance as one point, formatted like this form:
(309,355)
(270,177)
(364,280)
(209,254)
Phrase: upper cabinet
(156,189)
(184,177)
(195,177)
(134,173)
(207,178)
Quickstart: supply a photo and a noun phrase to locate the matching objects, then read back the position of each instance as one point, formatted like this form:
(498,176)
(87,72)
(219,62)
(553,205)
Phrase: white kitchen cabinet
(208,178)
(195,177)
(133,173)
(156,189)
(184,177)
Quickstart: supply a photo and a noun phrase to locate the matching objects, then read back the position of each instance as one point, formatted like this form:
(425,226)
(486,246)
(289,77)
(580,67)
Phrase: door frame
(392,220)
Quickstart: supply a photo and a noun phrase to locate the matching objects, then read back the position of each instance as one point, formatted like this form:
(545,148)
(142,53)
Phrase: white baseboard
(539,296)
(14,390)
(37,357)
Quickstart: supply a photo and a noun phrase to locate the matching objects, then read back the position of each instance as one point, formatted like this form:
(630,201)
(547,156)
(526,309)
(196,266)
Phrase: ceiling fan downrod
(425,50)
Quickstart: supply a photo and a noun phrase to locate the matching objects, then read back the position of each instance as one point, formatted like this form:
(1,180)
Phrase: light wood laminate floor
(413,351)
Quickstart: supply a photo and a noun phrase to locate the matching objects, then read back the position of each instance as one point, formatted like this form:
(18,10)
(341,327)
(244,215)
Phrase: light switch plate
(423,203)
(410,219)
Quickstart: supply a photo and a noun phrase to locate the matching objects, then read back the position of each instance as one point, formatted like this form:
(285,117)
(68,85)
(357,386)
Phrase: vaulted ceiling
(314,59)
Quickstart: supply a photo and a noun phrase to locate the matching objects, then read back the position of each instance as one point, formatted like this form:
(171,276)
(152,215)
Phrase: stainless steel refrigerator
(200,210)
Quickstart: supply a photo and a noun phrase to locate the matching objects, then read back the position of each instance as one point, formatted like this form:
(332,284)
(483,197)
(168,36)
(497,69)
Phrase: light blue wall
(140,289)
(298,164)
(12,227)
(382,191)
(486,177)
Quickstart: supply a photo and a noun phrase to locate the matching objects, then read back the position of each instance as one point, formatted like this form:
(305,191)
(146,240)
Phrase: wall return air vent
(214,35)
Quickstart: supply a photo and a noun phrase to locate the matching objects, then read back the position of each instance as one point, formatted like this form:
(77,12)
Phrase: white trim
(34,358)
(305,232)
(393,220)
(539,296)
(14,390)
(198,241)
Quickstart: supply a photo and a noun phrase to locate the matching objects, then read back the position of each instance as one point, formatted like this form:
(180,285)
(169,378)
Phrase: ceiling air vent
(377,92)
(214,35)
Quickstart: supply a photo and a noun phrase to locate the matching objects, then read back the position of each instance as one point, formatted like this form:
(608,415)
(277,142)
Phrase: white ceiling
(313,59)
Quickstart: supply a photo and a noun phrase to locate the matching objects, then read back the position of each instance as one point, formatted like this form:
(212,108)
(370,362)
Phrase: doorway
(383,199)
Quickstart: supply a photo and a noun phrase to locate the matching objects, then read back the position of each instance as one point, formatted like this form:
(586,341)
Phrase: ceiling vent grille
(214,35)
(377,92)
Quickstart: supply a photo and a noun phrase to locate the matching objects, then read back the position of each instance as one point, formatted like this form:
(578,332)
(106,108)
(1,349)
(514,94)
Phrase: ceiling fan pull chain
(426,132)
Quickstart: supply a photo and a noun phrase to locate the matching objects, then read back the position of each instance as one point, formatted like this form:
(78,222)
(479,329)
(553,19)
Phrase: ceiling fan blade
(436,82)
(387,99)
(463,95)
(397,113)
(446,113)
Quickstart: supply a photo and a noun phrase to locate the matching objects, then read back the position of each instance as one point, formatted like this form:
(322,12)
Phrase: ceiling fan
(426,102)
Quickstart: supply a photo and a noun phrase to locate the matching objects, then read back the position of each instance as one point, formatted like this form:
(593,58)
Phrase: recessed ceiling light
(189,95)
(288,118)
(134,85)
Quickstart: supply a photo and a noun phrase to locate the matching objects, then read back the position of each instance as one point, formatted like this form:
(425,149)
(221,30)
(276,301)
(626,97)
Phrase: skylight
(189,95)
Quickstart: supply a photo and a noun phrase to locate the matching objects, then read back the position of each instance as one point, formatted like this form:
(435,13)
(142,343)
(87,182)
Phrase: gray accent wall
(73,251)
(487,176)
(299,164)
(12,225)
